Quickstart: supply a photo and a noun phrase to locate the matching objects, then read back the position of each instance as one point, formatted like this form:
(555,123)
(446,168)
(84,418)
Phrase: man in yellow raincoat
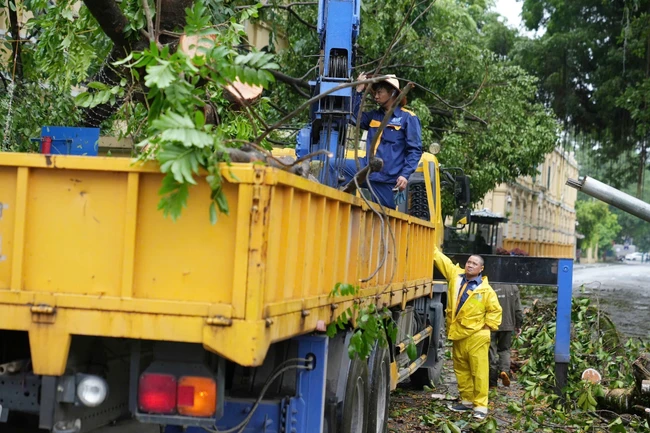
(473,311)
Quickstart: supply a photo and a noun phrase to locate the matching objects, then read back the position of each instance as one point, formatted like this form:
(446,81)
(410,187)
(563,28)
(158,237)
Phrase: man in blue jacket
(400,143)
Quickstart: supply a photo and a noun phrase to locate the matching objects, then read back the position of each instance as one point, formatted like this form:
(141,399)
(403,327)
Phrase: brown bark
(375,164)
(248,154)
(16,44)
(296,83)
(110,18)
(113,22)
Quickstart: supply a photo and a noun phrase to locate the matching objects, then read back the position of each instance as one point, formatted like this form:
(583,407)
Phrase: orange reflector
(197,396)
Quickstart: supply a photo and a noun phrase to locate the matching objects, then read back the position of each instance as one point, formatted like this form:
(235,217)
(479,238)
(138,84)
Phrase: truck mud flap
(435,317)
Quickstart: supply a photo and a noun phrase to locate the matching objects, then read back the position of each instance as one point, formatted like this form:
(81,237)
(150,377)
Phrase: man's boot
(505,379)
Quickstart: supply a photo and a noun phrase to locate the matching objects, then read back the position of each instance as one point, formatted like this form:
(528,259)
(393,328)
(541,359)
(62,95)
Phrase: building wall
(259,36)
(540,209)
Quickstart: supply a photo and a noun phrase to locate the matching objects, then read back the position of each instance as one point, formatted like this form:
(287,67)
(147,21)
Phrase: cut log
(375,164)
(210,114)
(286,163)
(237,93)
(635,399)
(190,44)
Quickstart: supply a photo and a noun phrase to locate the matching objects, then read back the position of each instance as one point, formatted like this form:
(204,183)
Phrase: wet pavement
(623,292)
(621,289)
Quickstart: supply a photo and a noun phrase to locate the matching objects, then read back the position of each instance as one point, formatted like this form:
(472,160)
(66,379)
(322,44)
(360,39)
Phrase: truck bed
(85,251)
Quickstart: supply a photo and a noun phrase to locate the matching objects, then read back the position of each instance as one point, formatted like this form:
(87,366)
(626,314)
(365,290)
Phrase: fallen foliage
(530,404)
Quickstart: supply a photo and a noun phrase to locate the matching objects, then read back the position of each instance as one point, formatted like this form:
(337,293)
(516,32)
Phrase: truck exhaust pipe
(609,195)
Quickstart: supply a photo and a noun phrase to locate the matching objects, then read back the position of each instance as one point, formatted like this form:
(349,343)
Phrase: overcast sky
(510,9)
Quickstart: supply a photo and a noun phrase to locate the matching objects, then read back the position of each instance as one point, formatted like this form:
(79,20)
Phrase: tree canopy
(593,65)
(599,226)
(478,106)
(472,100)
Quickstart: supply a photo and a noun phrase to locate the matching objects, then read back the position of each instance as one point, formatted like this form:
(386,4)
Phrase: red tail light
(157,393)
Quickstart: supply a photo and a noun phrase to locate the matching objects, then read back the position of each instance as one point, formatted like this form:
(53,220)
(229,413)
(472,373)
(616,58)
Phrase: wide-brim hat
(391,80)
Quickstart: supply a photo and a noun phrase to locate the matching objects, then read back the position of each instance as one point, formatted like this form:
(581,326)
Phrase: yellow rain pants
(472,369)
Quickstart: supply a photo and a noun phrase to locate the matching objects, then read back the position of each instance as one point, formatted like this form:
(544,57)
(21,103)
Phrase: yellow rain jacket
(480,309)
(465,329)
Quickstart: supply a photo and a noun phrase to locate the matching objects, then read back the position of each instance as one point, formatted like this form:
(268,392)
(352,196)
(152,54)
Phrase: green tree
(470,99)
(479,107)
(597,223)
(634,229)
(592,62)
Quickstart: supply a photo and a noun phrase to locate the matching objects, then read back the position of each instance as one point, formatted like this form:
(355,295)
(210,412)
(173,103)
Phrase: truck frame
(108,310)
(96,284)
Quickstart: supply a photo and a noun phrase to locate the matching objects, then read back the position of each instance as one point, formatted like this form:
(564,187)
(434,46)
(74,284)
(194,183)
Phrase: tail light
(163,394)
(197,396)
(157,393)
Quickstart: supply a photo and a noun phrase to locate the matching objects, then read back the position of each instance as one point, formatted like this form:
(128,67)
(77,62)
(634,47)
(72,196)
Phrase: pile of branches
(614,403)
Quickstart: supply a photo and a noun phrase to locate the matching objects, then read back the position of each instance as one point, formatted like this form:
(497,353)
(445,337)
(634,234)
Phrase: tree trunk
(16,44)
(110,18)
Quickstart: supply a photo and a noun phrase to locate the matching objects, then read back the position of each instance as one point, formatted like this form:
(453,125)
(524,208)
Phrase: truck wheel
(355,403)
(378,404)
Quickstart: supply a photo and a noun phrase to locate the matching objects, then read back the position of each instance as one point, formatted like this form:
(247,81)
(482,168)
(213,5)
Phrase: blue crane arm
(338,29)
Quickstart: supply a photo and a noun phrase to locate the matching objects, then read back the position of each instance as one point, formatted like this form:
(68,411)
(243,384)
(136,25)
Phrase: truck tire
(355,402)
(379,401)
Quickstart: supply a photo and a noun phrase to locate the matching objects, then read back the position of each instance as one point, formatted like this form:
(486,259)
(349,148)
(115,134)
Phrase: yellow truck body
(84,250)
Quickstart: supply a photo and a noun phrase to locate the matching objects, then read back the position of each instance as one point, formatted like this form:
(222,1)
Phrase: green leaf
(172,120)
(617,426)
(175,200)
(331,330)
(213,214)
(123,61)
(97,85)
(412,351)
(159,75)
(188,137)
(223,203)
(199,119)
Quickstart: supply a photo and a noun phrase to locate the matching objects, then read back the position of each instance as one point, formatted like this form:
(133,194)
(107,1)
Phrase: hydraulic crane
(338,29)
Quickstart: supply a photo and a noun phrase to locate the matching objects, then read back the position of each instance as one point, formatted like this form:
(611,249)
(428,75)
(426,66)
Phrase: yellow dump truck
(110,310)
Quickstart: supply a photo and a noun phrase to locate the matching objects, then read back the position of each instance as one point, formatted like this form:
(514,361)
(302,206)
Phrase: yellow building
(540,209)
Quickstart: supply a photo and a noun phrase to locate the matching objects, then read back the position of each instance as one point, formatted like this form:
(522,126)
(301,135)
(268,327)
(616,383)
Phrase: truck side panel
(89,253)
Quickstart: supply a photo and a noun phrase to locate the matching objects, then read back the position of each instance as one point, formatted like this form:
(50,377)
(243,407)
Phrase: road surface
(623,291)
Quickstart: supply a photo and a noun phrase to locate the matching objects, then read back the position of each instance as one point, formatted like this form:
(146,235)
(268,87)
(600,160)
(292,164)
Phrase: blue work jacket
(400,145)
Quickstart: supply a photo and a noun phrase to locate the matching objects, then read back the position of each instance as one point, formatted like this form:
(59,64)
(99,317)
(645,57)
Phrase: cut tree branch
(158,14)
(288,7)
(147,13)
(290,80)
(112,21)
(316,98)
(295,83)
(375,165)
(110,18)
(450,114)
